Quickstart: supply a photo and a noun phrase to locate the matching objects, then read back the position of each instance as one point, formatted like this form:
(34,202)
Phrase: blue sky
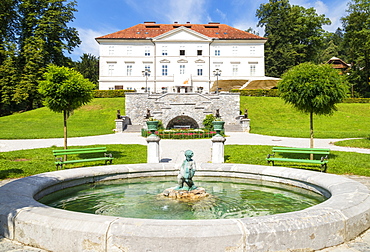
(97,18)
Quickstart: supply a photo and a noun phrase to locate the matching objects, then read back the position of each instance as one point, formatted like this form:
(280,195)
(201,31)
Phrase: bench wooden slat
(78,152)
(107,157)
(83,160)
(303,149)
(302,152)
(86,149)
(315,151)
(299,160)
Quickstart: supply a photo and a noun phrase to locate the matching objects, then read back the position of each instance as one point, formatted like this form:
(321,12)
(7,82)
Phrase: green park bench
(84,152)
(290,150)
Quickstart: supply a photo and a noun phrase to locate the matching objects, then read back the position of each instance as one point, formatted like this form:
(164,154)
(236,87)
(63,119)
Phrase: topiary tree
(313,89)
(65,90)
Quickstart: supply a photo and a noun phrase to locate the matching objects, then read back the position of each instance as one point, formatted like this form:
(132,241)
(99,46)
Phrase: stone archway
(182,122)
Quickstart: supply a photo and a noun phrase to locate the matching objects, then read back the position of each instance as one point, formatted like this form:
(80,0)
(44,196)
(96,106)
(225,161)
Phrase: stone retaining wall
(168,106)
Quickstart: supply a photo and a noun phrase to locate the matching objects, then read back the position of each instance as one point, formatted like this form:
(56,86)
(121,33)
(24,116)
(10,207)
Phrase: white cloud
(168,11)
(221,14)
(336,12)
(184,11)
(320,7)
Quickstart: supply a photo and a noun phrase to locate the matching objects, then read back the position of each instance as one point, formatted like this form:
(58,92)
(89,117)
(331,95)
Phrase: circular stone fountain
(342,217)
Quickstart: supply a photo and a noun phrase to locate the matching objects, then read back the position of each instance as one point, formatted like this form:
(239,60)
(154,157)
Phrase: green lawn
(95,118)
(21,163)
(339,162)
(271,116)
(358,143)
(16,164)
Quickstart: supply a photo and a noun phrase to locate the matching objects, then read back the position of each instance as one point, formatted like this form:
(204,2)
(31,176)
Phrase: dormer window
(182,52)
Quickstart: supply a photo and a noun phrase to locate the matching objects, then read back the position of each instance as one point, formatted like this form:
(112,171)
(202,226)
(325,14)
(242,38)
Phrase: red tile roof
(151,30)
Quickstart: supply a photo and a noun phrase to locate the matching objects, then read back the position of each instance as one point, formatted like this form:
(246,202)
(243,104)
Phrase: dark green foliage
(88,66)
(207,122)
(357,40)
(33,34)
(65,89)
(294,33)
(313,88)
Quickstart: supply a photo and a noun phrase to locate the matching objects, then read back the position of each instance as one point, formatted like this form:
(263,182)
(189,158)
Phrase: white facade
(180,60)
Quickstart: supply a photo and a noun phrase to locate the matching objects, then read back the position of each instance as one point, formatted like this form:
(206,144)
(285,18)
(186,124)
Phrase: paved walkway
(172,151)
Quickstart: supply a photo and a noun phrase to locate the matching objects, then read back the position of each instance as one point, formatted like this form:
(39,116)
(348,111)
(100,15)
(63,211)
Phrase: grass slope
(95,118)
(271,116)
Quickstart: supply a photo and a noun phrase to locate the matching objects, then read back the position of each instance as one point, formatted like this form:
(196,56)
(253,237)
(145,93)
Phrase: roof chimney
(149,22)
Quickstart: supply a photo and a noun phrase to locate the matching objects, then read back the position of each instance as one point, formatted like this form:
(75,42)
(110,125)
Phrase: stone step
(133,128)
(233,128)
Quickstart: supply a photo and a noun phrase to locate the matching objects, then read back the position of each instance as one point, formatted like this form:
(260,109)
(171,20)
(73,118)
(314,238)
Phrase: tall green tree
(65,90)
(44,36)
(9,78)
(294,33)
(357,40)
(313,89)
(49,21)
(8,25)
(88,66)
(332,47)
(26,90)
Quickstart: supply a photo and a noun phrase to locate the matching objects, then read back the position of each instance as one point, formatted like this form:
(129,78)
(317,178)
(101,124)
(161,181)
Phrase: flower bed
(181,134)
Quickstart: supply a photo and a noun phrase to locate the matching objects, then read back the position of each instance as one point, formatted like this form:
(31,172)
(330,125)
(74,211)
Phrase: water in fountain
(138,198)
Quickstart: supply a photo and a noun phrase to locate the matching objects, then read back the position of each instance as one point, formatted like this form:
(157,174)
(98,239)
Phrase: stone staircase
(133,128)
(233,128)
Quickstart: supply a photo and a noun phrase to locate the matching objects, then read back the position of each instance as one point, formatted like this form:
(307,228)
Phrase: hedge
(181,134)
(257,92)
(111,93)
(356,100)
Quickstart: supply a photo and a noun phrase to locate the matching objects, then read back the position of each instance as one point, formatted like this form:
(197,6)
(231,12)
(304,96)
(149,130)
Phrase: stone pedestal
(120,126)
(153,149)
(218,152)
(245,124)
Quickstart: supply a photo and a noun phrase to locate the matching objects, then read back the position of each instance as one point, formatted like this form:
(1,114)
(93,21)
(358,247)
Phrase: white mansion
(178,58)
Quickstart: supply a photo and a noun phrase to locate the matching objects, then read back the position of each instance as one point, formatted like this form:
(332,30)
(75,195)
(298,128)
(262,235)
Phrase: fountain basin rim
(342,217)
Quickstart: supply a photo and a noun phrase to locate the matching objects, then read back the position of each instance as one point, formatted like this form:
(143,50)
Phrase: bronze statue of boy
(186,173)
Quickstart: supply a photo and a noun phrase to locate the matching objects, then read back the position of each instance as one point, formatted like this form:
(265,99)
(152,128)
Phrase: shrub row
(181,134)
(257,92)
(275,93)
(111,93)
(356,100)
